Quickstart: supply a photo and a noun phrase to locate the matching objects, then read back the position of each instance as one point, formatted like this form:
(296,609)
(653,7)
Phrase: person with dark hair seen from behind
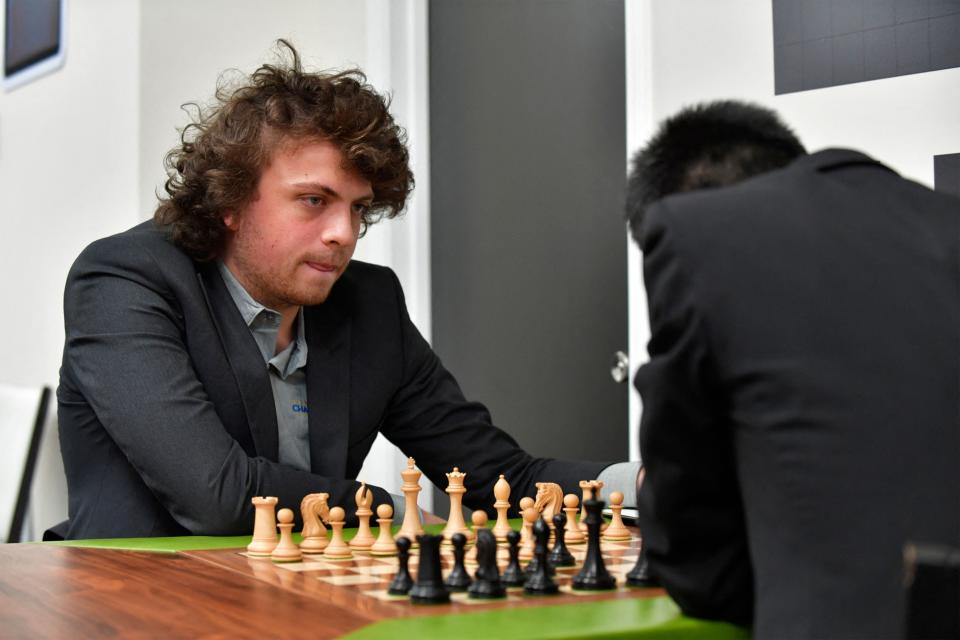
(230,348)
(800,403)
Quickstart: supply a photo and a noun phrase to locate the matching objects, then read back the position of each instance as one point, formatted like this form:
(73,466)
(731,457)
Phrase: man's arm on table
(125,355)
(623,477)
(691,516)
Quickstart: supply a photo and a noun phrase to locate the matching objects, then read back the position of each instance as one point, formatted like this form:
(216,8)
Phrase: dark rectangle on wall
(31,34)
(826,43)
(946,173)
(528,245)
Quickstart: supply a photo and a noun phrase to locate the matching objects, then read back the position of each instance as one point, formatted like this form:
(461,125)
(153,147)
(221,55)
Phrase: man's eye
(313,201)
(361,209)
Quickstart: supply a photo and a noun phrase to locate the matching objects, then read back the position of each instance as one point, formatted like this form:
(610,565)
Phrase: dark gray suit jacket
(167,420)
(801,402)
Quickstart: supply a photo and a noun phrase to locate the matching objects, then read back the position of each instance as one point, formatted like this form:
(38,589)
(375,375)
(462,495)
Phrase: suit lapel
(246,362)
(328,386)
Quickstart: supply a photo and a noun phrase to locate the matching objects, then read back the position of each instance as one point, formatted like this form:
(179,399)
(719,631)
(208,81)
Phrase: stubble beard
(284,291)
(277,289)
(275,286)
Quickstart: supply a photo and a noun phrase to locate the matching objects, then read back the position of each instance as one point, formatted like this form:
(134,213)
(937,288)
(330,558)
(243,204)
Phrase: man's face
(290,244)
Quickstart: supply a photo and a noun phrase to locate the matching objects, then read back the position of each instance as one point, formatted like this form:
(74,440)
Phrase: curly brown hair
(216,167)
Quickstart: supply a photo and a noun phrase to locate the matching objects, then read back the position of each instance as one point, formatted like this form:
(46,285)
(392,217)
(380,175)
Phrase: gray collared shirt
(287,371)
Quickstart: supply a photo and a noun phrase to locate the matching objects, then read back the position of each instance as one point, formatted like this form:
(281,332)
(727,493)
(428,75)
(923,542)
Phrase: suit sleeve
(690,510)
(125,356)
(430,419)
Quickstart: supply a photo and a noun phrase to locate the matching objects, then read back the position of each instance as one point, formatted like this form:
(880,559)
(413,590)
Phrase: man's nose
(339,227)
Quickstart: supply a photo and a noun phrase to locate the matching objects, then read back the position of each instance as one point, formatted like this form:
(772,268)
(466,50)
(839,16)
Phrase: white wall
(67,176)
(687,51)
(397,63)
(186,45)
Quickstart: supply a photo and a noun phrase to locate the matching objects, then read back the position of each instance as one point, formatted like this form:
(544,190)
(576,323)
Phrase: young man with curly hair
(231,348)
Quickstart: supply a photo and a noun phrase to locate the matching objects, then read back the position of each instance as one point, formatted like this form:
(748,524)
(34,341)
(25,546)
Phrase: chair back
(23,413)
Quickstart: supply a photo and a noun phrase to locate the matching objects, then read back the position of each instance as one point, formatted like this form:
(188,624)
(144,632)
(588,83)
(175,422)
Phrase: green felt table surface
(646,618)
(652,618)
(196,543)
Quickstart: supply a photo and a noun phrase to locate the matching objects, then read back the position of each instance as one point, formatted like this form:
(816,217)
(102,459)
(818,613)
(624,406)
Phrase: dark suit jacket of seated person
(801,400)
(168,424)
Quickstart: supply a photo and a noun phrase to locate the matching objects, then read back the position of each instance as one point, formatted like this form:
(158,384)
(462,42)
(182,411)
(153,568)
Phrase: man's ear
(230,220)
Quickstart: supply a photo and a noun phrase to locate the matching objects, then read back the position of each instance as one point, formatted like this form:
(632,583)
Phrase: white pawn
(570,507)
(479,519)
(616,530)
(286,550)
(264,527)
(528,544)
(385,544)
(338,549)
(525,503)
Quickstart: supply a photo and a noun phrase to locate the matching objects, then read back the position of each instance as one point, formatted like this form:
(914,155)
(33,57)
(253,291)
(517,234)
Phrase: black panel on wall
(824,43)
(31,34)
(946,173)
(528,246)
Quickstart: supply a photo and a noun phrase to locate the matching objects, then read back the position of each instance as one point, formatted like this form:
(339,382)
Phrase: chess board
(361,583)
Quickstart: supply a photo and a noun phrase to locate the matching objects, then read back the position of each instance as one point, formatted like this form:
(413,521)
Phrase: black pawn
(429,588)
(513,574)
(560,556)
(458,579)
(534,564)
(640,575)
(402,582)
(487,584)
(539,582)
(593,576)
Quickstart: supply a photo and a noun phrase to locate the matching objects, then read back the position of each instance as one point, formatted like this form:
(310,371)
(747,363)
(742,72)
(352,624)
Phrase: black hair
(707,145)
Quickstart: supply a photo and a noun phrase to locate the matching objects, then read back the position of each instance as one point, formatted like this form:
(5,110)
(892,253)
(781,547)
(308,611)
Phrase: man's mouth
(326,267)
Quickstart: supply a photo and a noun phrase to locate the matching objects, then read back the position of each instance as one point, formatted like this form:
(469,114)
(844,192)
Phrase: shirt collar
(298,356)
(291,358)
(246,305)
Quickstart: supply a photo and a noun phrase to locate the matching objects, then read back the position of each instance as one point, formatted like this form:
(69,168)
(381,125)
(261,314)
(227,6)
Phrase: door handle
(620,367)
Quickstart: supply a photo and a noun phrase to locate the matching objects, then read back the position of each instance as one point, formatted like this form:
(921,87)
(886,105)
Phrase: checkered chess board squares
(374,573)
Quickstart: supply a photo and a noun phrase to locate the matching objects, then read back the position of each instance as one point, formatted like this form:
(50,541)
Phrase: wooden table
(62,592)
(52,591)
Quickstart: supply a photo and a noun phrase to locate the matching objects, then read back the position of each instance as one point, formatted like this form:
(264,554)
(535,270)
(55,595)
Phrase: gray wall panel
(527,107)
(946,173)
